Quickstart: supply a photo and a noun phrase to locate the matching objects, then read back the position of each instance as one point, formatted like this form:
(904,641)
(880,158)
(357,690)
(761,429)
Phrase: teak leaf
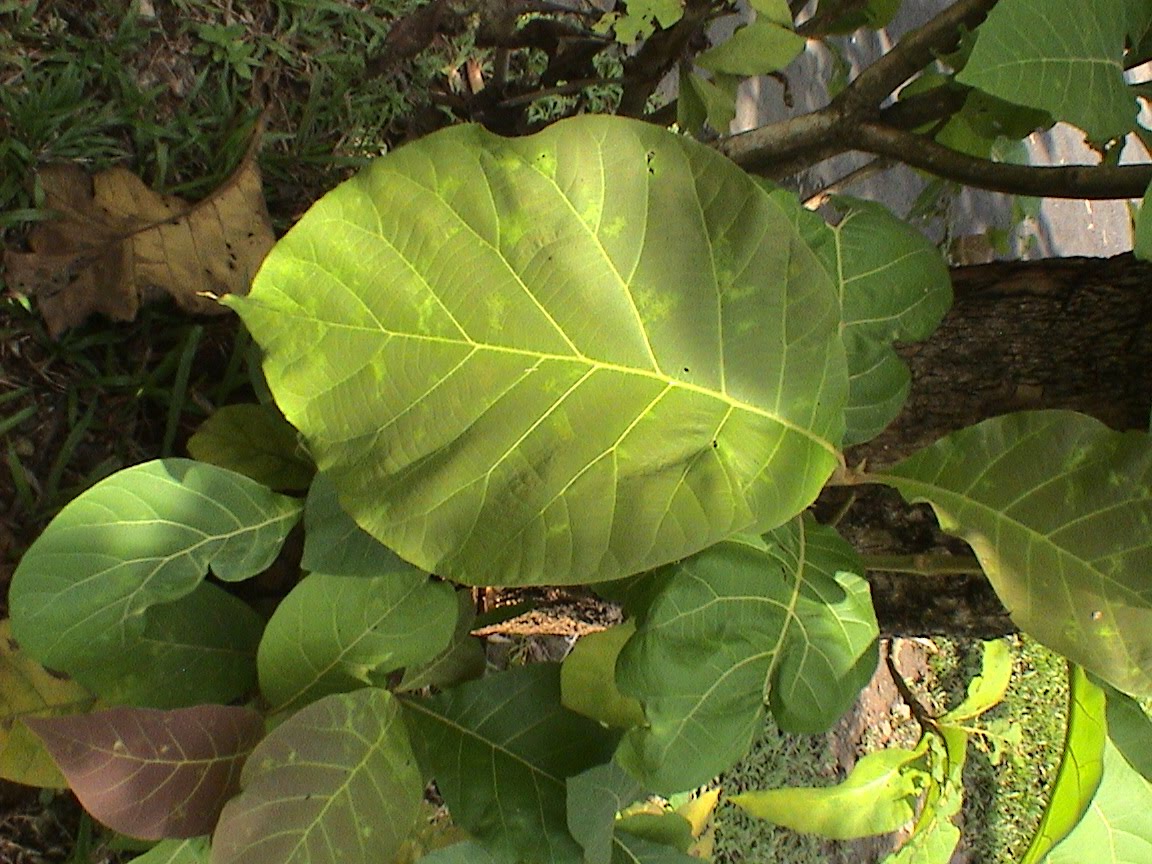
(253,440)
(501,750)
(153,774)
(760,47)
(594,798)
(512,378)
(113,591)
(192,851)
(588,679)
(784,618)
(119,244)
(1061,56)
(27,689)
(1058,509)
(335,783)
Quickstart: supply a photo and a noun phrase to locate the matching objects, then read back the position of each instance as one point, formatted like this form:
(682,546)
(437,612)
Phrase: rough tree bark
(1072,333)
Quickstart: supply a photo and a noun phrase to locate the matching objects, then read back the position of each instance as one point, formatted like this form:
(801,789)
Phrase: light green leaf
(935,836)
(1065,57)
(612,399)
(1117,828)
(193,851)
(987,689)
(462,660)
(501,750)
(594,798)
(878,796)
(636,850)
(1058,509)
(664,829)
(1142,233)
(1130,729)
(336,783)
(256,441)
(701,101)
(1081,766)
(776,11)
(112,592)
(757,48)
(332,634)
(588,679)
(785,619)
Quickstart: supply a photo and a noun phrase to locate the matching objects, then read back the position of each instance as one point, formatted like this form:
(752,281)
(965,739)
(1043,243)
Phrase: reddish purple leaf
(153,774)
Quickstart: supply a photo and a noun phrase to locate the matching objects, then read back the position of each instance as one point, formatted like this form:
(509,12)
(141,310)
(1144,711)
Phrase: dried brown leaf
(118,244)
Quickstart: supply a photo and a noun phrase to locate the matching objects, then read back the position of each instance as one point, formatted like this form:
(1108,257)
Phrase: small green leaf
(1057,508)
(935,835)
(776,11)
(112,592)
(335,783)
(594,798)
(701,101)
(192,851)
(664,829)
(757,48)
(987,689)
(784,618)
(878,796)
(1065,57)
(1081,766)
(501,750)
(256,441)
(588,679)
(332,634)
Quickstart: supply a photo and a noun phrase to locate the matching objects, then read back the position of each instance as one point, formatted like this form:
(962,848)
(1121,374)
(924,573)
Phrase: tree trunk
(1072,333)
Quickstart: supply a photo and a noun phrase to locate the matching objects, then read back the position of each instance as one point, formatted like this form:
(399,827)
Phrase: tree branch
(1099,182)
(912,53)
(644,71)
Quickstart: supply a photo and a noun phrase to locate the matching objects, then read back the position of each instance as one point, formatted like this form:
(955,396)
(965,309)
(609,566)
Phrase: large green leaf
(336,783)
(1058,508)
(1065,57)
(878,796)
(1081,766)
(501,750)
(96,595)
(332,634)
(563,358)
(784,618)
(1117,828)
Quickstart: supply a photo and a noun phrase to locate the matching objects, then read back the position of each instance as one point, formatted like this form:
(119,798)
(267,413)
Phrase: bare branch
(1099,182)
(760,150)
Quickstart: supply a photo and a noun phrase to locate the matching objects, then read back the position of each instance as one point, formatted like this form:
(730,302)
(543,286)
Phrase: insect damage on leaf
(118,244)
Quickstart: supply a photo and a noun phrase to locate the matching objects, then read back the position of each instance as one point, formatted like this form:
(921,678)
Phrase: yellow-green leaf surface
(27,689)
(987,689)
(560,359)
(501,750)
(1058,508)
(113,591)
(879,796)
(783,619)
(1065,57)
(336,783)
(588,679)
(253,440)
(760,47)
(192,851)
(1081,766)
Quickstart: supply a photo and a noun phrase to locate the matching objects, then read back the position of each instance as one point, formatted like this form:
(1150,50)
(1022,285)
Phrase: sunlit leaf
(1058,508)
(614,398)
(1081,766)
(987,689)
(878,796)
(501,750)
(27,689)
(757,48)
(96,595)
(785,618)
(462,660)
(194,850)
(1065,57)
(935,835)
(336,783)
(588,678)
(153,774)
(253,440)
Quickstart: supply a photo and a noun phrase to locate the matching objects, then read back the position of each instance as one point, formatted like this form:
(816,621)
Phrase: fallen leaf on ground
(118,244)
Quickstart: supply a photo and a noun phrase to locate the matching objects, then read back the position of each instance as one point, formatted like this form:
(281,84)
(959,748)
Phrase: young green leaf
(784,618)
(878,796)
(501,750)
(588,679)
(614,398)
(1057,507)
(195,850)
(256,441)
(332,634)
(336,783)
(987,689)
(153,774)
(759,47)
(1061,56)
(935,835)
(1081,766)
(96,595)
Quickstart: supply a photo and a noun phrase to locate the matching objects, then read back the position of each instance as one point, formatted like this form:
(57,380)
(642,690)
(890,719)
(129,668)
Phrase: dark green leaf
(588,679)
(613,398)
(594,799)
(757,48)
(462,660)
(1130,730)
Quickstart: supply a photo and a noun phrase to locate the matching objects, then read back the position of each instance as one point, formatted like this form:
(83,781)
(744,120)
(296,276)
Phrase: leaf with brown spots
(153,774)
(118,244)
